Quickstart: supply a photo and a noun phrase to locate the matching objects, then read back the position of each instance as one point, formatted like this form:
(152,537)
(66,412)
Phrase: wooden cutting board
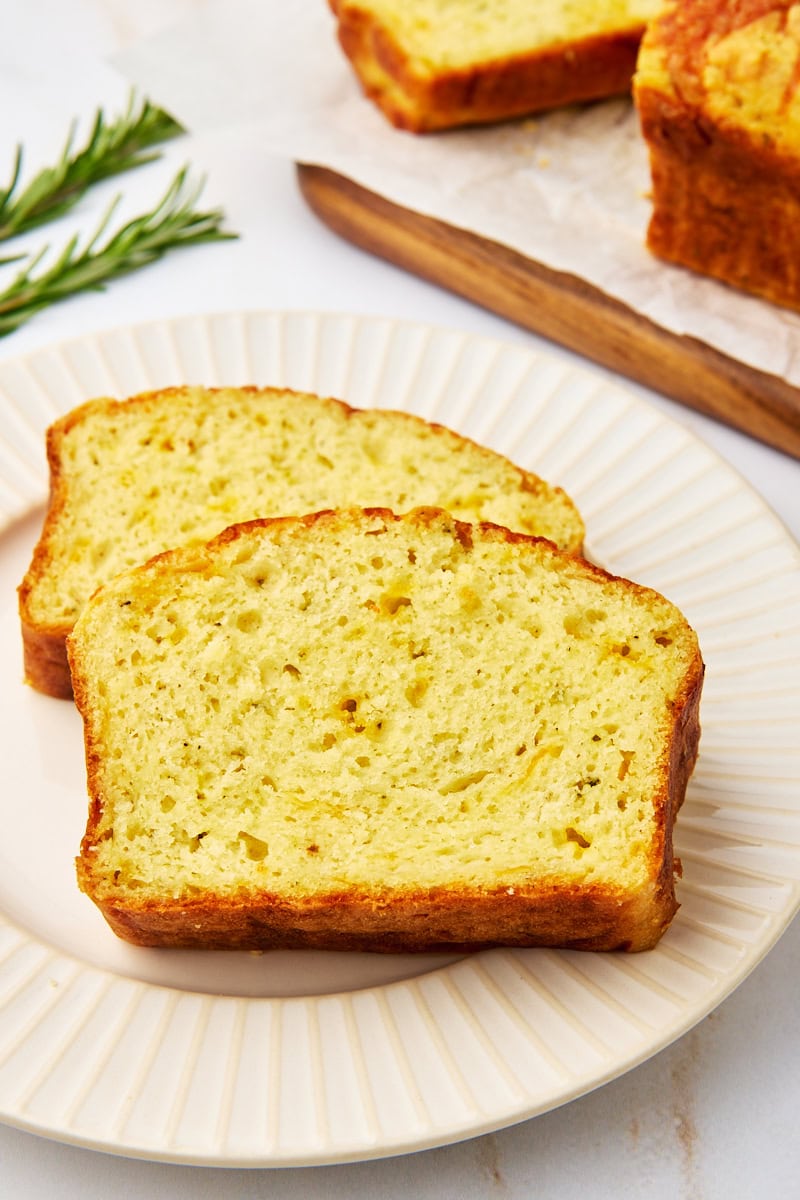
(561,307)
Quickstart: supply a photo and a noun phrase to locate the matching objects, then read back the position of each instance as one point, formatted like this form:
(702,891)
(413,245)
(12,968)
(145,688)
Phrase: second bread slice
(130,479)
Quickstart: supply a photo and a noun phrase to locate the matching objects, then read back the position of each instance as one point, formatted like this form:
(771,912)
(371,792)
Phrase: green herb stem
(112,147)
(173,223)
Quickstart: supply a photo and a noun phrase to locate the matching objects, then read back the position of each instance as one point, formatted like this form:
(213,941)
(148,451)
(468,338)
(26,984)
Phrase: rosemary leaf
(174,222)
(112,147)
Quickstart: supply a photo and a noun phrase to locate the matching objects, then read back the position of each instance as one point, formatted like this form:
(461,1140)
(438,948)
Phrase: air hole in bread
(415,692)
(462,782)
(254,847)
(390,604)
(249,621)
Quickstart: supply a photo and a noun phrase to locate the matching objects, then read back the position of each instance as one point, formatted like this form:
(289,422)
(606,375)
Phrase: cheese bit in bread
(434,64)
(130,479)
(360,731)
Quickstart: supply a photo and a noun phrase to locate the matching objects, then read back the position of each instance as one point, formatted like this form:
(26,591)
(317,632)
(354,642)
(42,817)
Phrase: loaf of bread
(435,64)
(130,479)
(353,730)
(717,92)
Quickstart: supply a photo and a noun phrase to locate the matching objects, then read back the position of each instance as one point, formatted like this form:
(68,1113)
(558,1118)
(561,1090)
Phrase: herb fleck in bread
(354,730)
(434,64)
(130,479)
(717,92)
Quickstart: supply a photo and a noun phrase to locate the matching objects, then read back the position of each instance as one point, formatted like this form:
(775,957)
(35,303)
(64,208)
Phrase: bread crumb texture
(359,701)
(171,468)
(441,35)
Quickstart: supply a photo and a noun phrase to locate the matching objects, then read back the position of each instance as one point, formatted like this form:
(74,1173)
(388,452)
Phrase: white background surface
(715,1115)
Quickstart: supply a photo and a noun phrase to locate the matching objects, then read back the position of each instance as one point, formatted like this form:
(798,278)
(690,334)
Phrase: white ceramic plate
(290,1058)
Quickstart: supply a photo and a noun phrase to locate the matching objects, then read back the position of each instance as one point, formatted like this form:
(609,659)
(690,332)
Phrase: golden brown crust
(549,912)
(45,661)
(726,201)
(435,921)
(588,68)
(44,648)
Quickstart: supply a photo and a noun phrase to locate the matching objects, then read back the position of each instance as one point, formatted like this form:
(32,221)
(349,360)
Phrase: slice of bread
(353,730)
(130,479)
(435,64)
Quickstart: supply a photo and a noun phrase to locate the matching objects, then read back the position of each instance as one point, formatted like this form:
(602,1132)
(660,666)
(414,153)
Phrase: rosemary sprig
(112,147)
(174,222)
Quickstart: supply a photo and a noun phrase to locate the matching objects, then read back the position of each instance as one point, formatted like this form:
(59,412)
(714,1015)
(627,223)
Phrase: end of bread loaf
(131,478)
(429,64)
(354,730)
(717,95)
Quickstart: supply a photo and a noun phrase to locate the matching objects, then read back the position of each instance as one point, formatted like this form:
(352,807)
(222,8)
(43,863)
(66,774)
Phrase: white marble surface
(714,1115)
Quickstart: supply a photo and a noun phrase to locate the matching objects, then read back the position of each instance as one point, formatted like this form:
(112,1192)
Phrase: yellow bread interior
(170,468)
(439,35)
(358,701)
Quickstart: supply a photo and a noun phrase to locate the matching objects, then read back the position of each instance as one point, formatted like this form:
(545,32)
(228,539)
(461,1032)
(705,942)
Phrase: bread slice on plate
(132,478)
(359,731)
(436,64)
